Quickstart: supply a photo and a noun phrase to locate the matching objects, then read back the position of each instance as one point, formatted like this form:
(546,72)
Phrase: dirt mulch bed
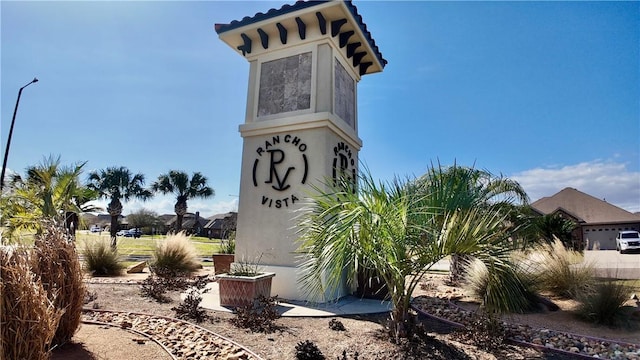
(364,334)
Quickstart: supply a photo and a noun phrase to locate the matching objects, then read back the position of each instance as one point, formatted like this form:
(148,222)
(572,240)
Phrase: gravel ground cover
(182,339)
(572,343)
(363,335)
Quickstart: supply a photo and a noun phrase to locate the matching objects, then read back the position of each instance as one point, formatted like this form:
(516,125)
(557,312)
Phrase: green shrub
(228,246)
(308,350)
(189,308)
(175,254)
(55,261)
(101,260)
(489,288)
(604,305)
(561,271)
(28,318)
(336,325)
(259,316)
(485,331)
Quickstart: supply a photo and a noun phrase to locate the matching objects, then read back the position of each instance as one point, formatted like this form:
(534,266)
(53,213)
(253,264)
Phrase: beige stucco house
(598,222)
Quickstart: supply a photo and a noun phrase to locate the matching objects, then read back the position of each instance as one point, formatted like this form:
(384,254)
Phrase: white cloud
(606,180)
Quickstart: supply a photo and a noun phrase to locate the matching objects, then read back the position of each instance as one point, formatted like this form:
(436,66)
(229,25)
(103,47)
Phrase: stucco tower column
(301,123)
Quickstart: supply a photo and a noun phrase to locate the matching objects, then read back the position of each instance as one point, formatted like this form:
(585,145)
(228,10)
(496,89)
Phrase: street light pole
(13,121)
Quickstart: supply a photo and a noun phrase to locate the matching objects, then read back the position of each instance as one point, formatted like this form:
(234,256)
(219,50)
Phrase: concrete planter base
(237,291)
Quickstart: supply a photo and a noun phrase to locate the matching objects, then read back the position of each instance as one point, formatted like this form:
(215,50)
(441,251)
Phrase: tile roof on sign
(299,5)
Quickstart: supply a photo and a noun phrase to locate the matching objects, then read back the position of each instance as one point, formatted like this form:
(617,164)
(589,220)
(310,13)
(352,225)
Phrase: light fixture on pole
(13,121)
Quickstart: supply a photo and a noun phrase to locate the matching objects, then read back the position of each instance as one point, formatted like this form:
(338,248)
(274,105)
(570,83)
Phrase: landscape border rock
(133,331)
(184,340)
(137,268)
(576,345)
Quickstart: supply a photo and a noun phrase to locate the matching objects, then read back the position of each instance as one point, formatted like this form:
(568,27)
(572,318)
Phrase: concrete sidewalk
(349,305)
(611,264)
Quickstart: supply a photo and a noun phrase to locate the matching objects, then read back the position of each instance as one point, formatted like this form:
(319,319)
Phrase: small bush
(101,260)
(336,325)
(176,253)
(90,296)
(29,319)
(485,331)
(55,261)
(308,350)
(346,357)
(162,280)
(560,271)
(155,287)
(604,305)
(228,246)
(189,308)
(246,266)
(489,288)
(259,316)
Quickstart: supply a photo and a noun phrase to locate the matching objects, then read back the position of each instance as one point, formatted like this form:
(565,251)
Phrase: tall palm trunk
(457,268)
(180,208)
(401,320)
(115,209)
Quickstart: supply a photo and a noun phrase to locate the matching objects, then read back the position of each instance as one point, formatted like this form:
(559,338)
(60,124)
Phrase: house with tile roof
(597,221)
(220,226)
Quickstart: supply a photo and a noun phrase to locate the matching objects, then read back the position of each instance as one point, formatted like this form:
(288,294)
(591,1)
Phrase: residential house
(597,221)
(220,226)
(192,223)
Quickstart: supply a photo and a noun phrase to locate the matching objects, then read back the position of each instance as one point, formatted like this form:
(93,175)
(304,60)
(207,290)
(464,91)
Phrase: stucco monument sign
(301,123)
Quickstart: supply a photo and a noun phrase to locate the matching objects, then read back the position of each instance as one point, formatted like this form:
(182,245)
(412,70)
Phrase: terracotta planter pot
(237,291)
(222,262)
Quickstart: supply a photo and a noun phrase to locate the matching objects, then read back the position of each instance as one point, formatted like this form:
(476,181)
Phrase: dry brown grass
(55,261)
(176,253)
(28,319)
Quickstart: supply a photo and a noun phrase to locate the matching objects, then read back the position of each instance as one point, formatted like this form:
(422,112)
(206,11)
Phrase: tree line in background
(53,191)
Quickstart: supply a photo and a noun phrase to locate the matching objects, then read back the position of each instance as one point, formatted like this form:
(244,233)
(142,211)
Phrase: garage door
(606,237)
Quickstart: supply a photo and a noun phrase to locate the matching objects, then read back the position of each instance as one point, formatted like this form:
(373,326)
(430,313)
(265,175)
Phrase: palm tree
(391,228)
(178,183)
(551,226)
(49,191)
(117,183)
(459,188)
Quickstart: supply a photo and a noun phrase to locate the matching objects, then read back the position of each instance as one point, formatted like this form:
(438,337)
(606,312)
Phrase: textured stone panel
(345,95)
(285,85)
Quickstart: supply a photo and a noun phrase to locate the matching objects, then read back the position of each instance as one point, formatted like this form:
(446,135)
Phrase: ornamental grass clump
(604,304)
(55,261)
(176,254)
(561,271)
(28,318)
(483,283)
(101,260)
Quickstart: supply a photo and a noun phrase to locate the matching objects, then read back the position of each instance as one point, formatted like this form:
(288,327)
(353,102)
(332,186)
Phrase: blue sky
(547,93)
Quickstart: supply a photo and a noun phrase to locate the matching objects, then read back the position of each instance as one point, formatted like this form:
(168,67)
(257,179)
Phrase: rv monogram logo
(344,166)
(274,168)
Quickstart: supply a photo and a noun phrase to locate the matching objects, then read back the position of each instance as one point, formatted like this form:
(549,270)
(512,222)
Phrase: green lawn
(144,245)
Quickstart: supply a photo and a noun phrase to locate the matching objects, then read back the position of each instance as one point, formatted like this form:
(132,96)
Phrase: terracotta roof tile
(285,9)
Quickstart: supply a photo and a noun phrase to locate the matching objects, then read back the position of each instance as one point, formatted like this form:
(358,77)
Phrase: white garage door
(604,236)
